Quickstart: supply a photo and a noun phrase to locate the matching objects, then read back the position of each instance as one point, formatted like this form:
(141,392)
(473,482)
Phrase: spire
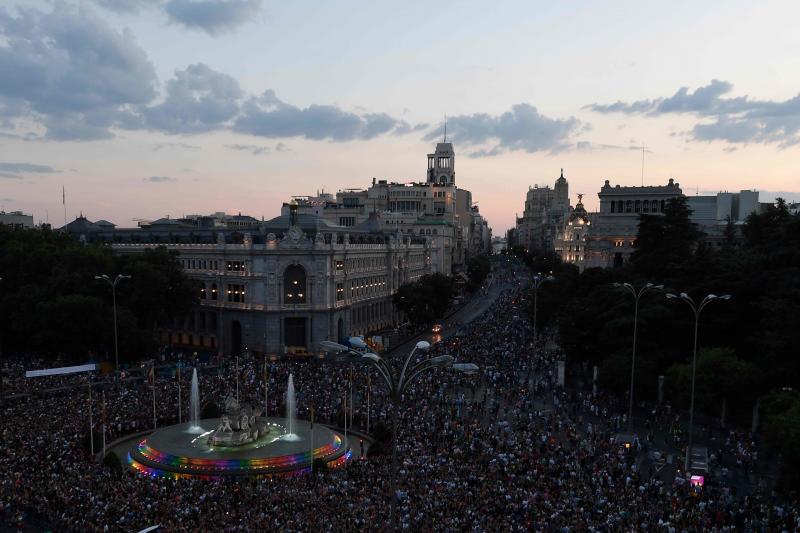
(562,172)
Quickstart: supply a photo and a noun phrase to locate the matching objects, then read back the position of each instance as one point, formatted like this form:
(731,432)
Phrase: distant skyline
(147,108)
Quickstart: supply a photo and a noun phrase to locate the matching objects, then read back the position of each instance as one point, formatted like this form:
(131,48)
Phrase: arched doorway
(236,338)
(340,330)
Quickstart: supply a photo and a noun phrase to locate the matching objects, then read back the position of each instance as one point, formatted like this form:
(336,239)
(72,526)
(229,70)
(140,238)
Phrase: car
(437,328)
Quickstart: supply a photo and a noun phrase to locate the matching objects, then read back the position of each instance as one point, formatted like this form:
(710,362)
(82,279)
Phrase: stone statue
(240,424)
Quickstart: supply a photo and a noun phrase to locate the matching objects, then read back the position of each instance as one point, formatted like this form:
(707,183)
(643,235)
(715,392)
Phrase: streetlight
(637,294)
(397,386)
(113,284)
(538,279)
(696,309)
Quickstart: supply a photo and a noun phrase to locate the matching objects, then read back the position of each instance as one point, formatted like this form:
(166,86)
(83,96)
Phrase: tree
(478,269)
(426,299)
(666,240)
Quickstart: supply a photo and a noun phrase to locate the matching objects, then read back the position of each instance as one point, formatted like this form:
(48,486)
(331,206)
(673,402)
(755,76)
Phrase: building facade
(279,286)
(544,214)
(16,220)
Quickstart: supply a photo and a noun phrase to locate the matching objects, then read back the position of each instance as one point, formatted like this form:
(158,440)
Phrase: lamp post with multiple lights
(637,294)
(696,309)
(397,385)
(538,279)
(113,284)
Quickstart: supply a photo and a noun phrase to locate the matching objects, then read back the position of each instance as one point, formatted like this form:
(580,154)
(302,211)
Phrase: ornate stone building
(280,286)
(545,212)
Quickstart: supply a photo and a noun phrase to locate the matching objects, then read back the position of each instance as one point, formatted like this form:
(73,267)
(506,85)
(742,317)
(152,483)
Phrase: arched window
(628,206)
(213,291)
(654,206)
(294,285)
(203,291)
(638,206)
(619,206)
(612,206)
(645,206)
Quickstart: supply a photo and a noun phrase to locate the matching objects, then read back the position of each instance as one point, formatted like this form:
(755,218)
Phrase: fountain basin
(173,452)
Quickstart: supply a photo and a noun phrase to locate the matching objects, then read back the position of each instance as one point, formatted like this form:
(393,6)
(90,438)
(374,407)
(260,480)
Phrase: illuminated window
(294,284)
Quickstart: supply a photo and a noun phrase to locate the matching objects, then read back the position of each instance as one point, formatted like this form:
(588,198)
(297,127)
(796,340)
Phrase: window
(619,206)
(235,293)
(637,206)
(339,292)
(213,291)
(235,266)
(654,206)
(430,163)
(444,162)
(202,292)
(339,265)
(294,285)
(628,206)
(645,206)
(662,206)
(612,206)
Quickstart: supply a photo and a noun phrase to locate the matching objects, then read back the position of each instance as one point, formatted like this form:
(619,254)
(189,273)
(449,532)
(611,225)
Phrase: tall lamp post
(637,294)
(113,284)
(538,279)
(696,309)
(397,385)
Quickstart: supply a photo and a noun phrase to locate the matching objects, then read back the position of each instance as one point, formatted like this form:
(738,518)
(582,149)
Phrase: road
(469,312)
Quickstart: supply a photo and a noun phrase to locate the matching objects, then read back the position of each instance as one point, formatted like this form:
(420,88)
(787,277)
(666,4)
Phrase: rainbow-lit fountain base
(175,452)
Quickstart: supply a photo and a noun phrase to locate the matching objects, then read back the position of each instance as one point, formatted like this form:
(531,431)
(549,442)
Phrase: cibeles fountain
(242,442)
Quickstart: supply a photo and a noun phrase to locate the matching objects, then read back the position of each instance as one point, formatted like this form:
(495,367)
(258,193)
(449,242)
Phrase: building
(607,238)
(545,212)
(435,209)
(16,220)
(279,286)
(714,213)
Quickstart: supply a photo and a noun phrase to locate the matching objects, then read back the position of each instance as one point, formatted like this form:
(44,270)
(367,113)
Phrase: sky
(137,109)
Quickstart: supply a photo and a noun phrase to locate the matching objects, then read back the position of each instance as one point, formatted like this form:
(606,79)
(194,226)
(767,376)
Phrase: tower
(441,165)
(561,192)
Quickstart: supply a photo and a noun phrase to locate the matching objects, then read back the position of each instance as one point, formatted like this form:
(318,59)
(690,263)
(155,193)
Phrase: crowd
(505,450)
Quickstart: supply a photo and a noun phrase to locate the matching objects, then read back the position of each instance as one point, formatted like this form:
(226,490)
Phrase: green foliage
(721,375)
(782,432)
(426,299)
(52,305)
(478,269)
(666,241)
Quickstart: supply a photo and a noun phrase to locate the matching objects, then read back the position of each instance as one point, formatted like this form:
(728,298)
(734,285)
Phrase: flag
(63,196)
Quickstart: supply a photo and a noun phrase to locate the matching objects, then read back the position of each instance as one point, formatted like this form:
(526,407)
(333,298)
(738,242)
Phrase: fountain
(194,406)
(290,434)
(244,443)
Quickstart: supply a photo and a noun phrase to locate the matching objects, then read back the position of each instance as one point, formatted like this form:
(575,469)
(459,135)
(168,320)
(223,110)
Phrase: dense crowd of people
(507,449)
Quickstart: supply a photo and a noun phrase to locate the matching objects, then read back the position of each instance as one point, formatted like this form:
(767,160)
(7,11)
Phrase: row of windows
(347,221)
(412,193)
(619,243)
(637,206)
(211,264)
(199,264)
(234,291)
(366,286)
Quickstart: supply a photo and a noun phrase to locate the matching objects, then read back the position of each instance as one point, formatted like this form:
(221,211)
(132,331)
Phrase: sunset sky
(144,108)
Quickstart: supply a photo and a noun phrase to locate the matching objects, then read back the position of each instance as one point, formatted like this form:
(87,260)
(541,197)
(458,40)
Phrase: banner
(60,370)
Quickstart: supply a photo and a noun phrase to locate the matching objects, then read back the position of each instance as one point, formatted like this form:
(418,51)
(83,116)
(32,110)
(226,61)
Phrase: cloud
(71,72)
(160,179)
(586,145)
(127,6)
(17,170)
(522,128)
(198,99)
(738,120)
(212,16)
(252,148)
(268,116)
(183,146)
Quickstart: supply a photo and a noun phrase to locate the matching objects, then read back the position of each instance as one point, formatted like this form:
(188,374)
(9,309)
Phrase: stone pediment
(295,239)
